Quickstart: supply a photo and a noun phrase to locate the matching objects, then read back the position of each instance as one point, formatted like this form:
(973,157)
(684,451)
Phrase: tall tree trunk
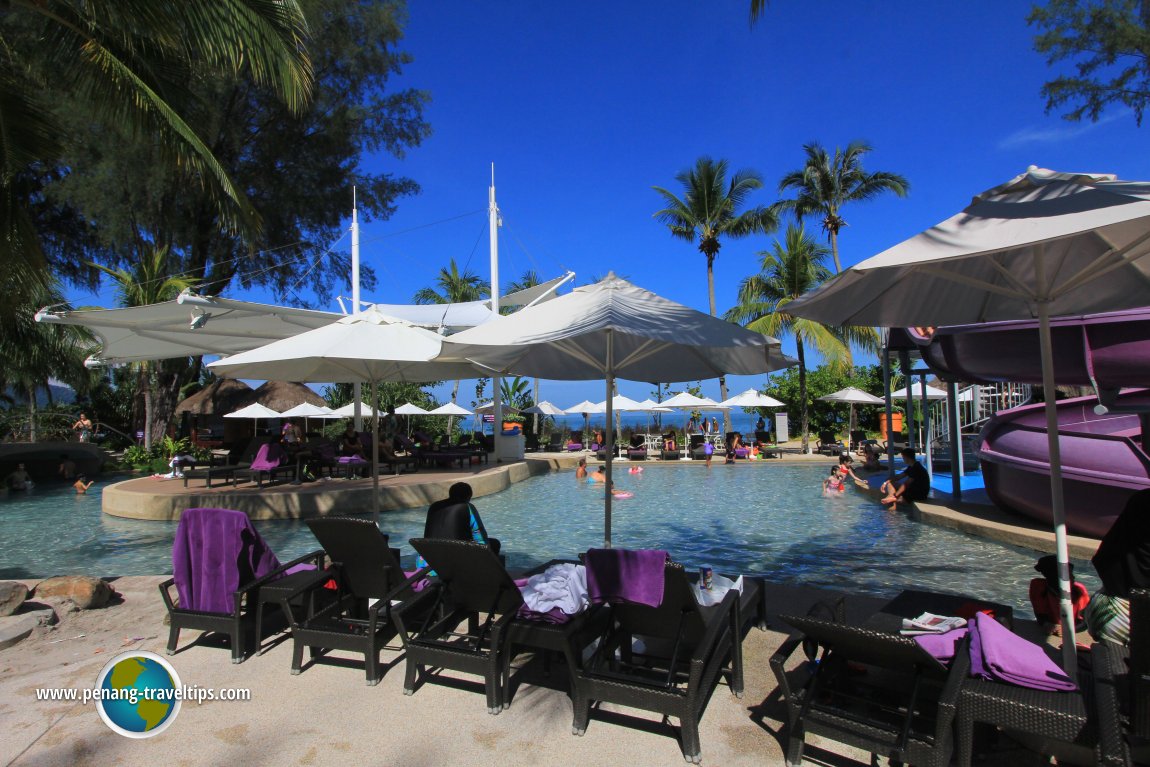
(164,397)
(31,412)
(722,379)
(535,398)
(146,386)
(835,250)
(804,409)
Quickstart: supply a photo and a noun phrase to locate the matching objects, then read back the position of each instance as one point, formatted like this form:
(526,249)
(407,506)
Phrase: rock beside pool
(84,591)
(14,628)
(12,595)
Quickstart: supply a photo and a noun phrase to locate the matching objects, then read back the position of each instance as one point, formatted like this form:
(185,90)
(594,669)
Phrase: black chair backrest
(857,437)
(472,576)
(876,648)
(677,616)
(762,437)
(697,440)
(577,435)
(1140,661)
(370,569)
(637,441)
(448,519)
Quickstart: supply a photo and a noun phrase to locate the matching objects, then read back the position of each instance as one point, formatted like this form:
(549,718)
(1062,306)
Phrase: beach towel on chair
(214,553)
(269,457)
(620,575)
(999,654)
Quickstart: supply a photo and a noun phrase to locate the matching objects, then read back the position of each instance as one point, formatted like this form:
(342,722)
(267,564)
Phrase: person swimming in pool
(581,469)
(82,486)
(598,475)
(834,482)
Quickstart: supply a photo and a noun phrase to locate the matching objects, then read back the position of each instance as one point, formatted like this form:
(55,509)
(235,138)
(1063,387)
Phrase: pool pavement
(327,715)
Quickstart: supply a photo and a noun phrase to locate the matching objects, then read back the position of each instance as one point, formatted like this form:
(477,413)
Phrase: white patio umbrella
(364,348)
(255,411)
(651,406)
(614,329)
(853,396)
(1044,244)
(409,409)
(751,398)
(348,410)
(585,407)
(306,410)
(450,409)
(545,408)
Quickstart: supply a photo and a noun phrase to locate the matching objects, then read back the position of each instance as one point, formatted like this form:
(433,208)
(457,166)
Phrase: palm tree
(123,59)
(454,287)
(825,184)
(709,210)
(529,279)
(148,283)
(787,271)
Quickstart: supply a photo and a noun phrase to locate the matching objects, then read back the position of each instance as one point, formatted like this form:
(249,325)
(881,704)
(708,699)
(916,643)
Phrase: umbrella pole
(374,457)
(609,438)
(1057,501)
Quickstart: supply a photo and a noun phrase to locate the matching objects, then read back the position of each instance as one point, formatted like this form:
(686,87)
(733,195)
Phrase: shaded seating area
(637,450)
(670,453)
(368,580)
(219,565)
(271,461)
(460,621)
(867,688)
(1122,688)
(575,441)
(684,649)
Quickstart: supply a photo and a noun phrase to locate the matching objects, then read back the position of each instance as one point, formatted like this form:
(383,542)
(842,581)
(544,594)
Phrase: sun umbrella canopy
(545,408)
(450,409)
(307,410)
(618,402)
(651,406)
(409,409)
(853,396)
(489,407)
(651,338)
(348,410)
(586,406)
(688,401)
(1043,244)
(916,392)
(254,410)
(357,348)
(751,398)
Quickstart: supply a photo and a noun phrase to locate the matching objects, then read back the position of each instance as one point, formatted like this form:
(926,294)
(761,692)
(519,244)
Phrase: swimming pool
(759,520)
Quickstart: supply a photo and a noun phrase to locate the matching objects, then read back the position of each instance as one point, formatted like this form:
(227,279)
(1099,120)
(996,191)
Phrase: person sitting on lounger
(350,444)
(444,520)
(1123,563)
(669,441)
(912,484)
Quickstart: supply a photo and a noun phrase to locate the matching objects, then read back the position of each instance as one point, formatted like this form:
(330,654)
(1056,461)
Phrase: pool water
(758,520)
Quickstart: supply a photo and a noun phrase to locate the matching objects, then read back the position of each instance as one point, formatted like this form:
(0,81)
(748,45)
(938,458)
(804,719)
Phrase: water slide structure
(1104,439)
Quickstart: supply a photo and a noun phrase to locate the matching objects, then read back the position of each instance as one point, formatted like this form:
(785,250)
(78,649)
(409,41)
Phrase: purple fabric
(742,452)
(351,459)
(269,457)
(215,552)
(621,575)
(418,585)
(942,646)
(997,653)
(573,446)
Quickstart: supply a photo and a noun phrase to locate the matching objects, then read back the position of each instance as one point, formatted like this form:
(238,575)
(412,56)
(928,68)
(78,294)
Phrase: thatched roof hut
(220,397)
(283,395)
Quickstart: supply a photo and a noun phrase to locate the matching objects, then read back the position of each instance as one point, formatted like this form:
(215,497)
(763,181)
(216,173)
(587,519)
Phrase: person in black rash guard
(913,484)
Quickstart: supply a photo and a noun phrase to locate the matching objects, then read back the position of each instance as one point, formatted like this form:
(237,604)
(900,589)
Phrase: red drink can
(706,577)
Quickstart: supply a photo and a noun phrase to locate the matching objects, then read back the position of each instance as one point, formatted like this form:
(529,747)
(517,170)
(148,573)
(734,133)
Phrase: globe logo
(138,694)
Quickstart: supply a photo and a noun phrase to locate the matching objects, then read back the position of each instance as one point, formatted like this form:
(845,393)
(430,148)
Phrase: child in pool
(833,483)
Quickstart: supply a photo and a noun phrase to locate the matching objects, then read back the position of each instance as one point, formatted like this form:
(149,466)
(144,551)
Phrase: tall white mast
(356,388)
(493,241)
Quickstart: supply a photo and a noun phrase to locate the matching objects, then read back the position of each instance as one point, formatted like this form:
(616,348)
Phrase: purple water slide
(1104,457)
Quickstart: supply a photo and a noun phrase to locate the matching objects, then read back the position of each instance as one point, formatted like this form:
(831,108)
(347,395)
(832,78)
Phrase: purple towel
(215,552)
(941,646)
(268,457)
(351,459)
(997,653)
(620,575)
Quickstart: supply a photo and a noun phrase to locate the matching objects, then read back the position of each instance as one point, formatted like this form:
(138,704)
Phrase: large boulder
(84,591)
(12,595)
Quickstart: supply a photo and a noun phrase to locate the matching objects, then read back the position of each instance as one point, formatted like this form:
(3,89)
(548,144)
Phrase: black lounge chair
(575,443)
(364,568)
(397,463)
(1122,689)
(686,650)
(858,437)
(829,444)
(638,448)
(460,622)
(902,706)
(220,564)
(670,455)
(554,444)
(697,449)
(271,460)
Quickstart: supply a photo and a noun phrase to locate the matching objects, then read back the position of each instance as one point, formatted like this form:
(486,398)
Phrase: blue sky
(582,107)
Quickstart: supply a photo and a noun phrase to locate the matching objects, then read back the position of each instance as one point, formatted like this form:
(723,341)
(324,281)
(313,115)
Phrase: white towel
(563,586)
